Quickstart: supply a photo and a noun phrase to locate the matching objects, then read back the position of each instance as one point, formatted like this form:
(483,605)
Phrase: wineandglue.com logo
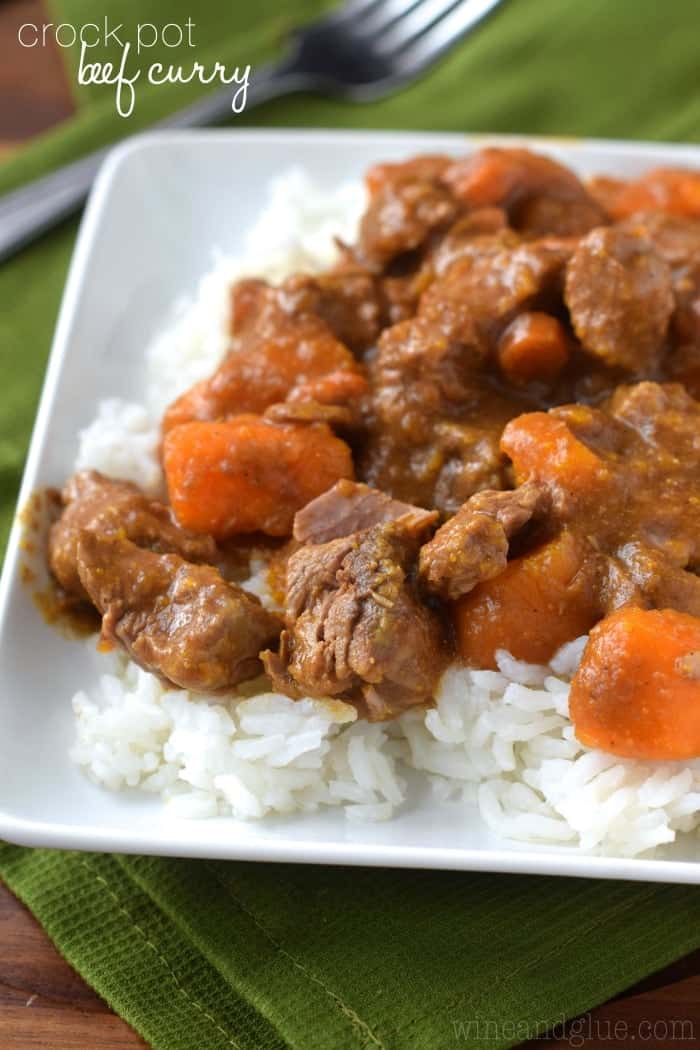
(134,47)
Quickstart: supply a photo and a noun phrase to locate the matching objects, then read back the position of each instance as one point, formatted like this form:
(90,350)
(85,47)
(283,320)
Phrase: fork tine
(414,22)
(354,12)
(427,46)
(382,15)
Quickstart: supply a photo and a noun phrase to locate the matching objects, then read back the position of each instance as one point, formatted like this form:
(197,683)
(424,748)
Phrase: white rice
(500,741)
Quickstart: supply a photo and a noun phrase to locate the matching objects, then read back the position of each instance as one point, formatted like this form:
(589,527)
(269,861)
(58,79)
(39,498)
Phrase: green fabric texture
(199,954)
(211,954)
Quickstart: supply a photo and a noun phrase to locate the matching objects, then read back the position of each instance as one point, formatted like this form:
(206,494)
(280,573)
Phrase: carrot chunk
(534,346)
(249,474)
(637,690)
(544,447)
(540,601)
(664,189)
(485,178)
(498,176)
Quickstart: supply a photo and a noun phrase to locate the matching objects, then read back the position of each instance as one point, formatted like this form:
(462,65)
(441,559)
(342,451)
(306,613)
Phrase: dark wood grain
(34,90)
(43,1002)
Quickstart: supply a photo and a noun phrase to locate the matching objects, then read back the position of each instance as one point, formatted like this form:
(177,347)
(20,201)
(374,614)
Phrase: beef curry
(478,431)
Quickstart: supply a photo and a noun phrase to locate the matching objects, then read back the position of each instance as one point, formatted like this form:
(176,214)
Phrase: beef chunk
(677,240)
(620,297)
(337,399)
(420,376)
(427,167)
(473,545)
(540,195)
(483,289)
(675,237)
(564,217)
(182,621)
(350,507)
(665,416)
(658,583)
(278,343)
(683,365)
(356,626)
(472,234)
(347,298)
(436,422)
(686,317)
(100,504)
(401,216)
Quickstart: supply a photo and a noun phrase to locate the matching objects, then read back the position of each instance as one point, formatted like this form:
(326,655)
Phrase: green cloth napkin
(199,954)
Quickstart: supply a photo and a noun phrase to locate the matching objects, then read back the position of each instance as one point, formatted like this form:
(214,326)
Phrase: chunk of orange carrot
(540,601)
(545,448)
(534,346)
(664,189)
(249,474)
(637,690)
(498,176)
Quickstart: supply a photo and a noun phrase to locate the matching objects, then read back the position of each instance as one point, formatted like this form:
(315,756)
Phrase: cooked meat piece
(473,545)
(539,195)
(482,291)
(349,507)
(675,237)
(419,376)
(338,417)
(427,167)
(685,323)
(563,217)
(683,365)
(356,626)
(466,457)
(470,235)
(666,417)
(335,388)
(182,621)
(436,424)
(401,216)
(337,399)
(100,504)
(619,294)
(401,292)
(446,468)
(277,345)
(436,421)
(347,298)
(660,584)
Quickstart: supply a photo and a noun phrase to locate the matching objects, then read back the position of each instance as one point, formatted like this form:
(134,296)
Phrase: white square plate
(160,205)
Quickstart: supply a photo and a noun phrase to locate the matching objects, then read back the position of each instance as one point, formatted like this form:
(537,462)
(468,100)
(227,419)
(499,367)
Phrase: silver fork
(365,49)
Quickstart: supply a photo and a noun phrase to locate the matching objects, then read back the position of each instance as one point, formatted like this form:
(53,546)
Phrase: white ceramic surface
(160,206)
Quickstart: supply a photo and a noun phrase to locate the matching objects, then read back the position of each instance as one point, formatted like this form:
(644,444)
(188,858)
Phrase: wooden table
(43,1002)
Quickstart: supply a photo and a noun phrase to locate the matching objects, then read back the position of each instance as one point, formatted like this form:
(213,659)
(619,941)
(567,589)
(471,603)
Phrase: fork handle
(33,209)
